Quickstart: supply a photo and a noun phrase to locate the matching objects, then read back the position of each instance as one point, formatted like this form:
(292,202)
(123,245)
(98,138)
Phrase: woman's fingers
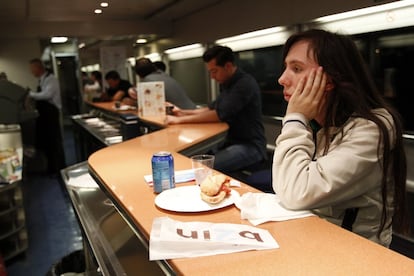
(309,95)
(299,88)
(310,82)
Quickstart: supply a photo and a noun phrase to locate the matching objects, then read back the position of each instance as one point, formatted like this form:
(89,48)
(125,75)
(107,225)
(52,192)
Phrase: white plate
(187,199)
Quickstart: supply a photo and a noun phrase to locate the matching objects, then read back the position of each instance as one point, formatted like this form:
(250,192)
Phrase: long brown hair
(355,94)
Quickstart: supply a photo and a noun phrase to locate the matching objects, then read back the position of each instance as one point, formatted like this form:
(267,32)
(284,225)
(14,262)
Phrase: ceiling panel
(184,8)
(80,10)
(43,18)
(12,10)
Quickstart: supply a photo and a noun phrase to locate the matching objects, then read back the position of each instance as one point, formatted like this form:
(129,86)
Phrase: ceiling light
(184,52)
(104,4)
(257,39)
(59,39)
(141,40)
(382,17)
(154,57)
(183,48)
(81,45)
(97,11)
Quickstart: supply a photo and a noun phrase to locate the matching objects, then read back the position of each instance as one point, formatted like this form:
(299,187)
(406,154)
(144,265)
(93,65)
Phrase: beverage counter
(308,246)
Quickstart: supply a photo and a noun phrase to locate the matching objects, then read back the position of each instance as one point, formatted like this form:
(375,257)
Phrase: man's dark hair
(37,61)
(97,75)
(144,67)
(222,54)
(160,65)
(112,75)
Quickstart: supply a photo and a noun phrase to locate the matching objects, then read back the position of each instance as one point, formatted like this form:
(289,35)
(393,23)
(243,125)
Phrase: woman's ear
(329,85)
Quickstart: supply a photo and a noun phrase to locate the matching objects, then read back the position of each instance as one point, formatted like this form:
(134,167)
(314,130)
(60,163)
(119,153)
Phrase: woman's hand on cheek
(309,95)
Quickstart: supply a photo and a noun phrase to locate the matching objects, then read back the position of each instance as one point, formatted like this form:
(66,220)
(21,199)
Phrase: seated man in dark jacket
(239,105)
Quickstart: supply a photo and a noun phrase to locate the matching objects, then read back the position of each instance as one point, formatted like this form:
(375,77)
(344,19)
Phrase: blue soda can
(162,171)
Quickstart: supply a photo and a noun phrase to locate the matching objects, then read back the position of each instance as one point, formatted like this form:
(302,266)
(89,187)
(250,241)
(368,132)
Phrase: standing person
(340,152)
(94,89)
(48,125)
(174,92)
(239,105)
(118,88)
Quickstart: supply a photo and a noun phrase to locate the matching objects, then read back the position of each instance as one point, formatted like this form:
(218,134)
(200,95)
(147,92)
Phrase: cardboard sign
(151,98)
(174,239)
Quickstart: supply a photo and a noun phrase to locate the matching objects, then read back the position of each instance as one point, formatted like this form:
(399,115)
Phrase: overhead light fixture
(98,11)
(59,39)
(81,45)
(104,4)
(256,39)
(154,57)
(392,15)
(141,41)
(185,52)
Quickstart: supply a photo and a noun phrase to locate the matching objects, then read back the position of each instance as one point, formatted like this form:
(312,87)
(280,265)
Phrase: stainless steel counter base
(117,249)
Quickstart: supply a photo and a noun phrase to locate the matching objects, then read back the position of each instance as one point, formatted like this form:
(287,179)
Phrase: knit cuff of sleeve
(295,119)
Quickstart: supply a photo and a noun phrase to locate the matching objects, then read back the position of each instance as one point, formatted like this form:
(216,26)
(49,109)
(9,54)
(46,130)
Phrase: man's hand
(172,120)
(309,96)
(129,101)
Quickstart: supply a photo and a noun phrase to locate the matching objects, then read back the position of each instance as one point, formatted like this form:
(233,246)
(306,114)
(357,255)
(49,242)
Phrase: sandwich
(215,188)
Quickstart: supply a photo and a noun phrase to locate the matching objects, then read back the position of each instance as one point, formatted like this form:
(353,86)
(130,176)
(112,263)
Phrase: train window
(265,65)
(390,55)
(196,85)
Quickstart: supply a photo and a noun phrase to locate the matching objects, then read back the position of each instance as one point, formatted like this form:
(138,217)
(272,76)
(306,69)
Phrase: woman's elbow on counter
(293,203)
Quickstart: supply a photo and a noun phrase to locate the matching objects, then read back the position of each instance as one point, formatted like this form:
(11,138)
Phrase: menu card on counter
(151,98)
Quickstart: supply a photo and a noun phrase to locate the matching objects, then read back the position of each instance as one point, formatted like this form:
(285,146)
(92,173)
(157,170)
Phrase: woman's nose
(282,79)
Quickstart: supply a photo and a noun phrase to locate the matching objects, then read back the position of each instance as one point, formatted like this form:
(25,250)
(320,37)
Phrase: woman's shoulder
(363,124)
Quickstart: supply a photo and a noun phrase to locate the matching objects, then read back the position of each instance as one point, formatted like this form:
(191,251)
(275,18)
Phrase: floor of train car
(52,226)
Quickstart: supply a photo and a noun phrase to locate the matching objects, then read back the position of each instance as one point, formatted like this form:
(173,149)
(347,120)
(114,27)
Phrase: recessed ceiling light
(141,40)
(98,11)
(81,45)
(104,4)
(59,39)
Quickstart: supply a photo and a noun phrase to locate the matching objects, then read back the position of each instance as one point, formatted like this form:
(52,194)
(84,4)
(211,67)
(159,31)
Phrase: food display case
(13,233)
(98,129)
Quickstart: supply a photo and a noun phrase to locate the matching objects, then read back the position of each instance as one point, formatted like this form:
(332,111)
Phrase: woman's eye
(296,69)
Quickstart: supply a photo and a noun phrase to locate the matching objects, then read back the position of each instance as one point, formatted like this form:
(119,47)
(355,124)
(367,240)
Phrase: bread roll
(212,184)
(211,188)
(213,199)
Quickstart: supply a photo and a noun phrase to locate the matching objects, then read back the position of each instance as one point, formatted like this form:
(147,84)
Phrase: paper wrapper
(174,239)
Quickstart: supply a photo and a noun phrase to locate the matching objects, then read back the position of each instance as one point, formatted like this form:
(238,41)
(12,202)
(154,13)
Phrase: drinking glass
(203,166)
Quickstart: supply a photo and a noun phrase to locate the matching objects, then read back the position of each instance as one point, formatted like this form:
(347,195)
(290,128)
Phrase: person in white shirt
(94,89)
(340,152)
(48,125)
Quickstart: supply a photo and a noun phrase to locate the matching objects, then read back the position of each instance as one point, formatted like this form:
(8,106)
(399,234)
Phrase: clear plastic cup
(203,166)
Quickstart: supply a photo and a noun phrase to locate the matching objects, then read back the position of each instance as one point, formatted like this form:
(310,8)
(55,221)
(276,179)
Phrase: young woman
(340,151)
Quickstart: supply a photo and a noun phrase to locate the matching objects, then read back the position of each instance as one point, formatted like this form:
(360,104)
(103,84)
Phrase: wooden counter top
(309,246)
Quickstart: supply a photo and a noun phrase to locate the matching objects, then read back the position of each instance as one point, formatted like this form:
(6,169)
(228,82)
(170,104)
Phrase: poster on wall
(113,58)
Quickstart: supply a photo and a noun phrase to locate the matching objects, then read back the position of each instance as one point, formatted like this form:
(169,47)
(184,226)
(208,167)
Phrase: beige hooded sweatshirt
(347,176)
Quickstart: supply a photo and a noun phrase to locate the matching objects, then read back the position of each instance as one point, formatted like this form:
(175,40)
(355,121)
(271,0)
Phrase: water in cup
(203,166)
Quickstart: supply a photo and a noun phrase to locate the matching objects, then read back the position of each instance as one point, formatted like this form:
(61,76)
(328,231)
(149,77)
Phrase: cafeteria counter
(307,246)
(117,218)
